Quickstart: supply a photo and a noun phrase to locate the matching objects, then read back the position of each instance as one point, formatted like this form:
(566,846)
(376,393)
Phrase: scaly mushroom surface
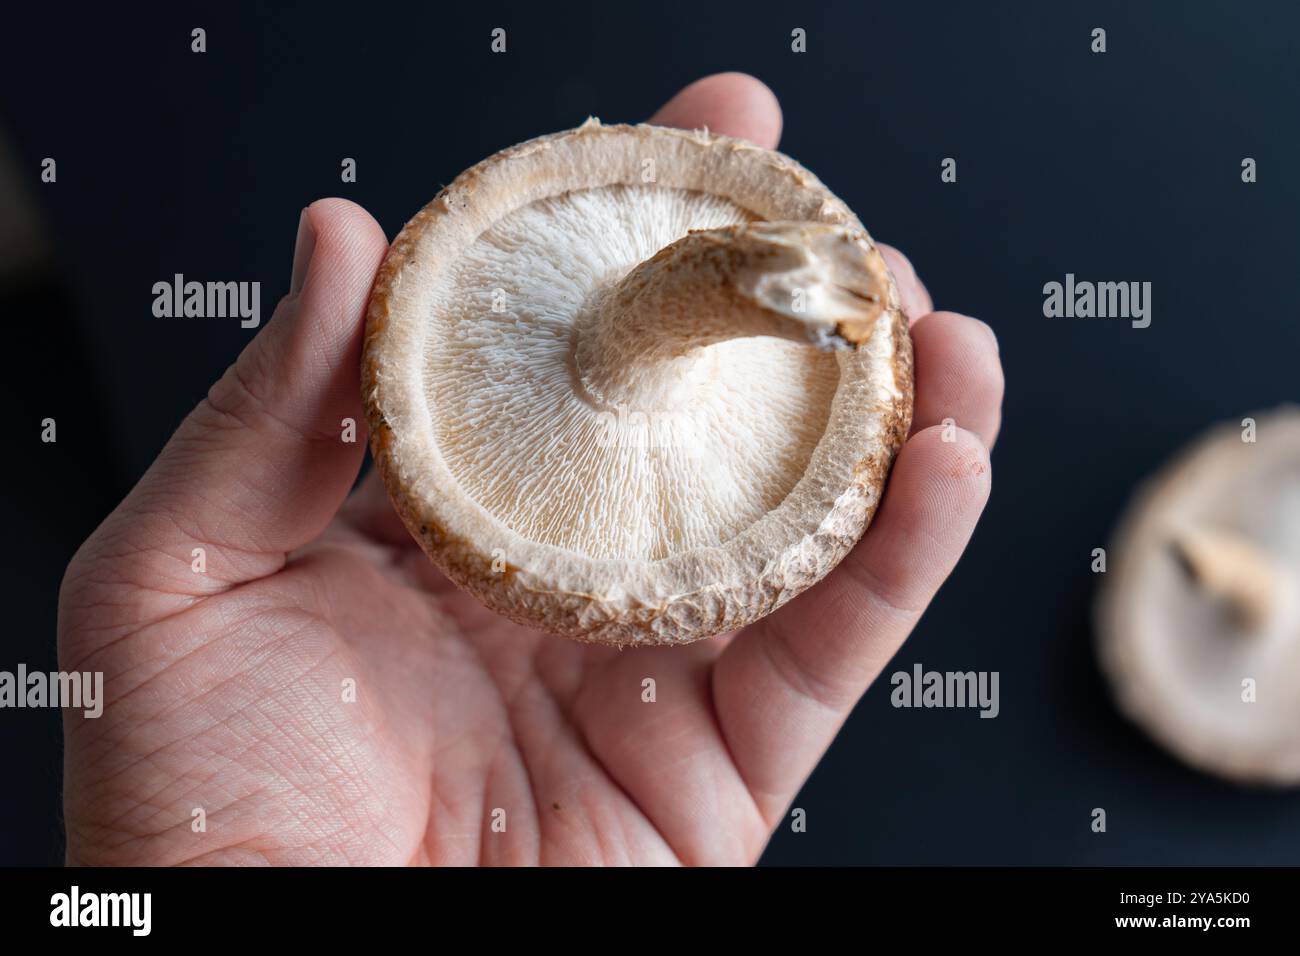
(1199,614)
(636,385)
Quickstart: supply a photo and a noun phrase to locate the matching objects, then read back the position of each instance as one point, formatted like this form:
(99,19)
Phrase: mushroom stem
(1228,566)
(817,283)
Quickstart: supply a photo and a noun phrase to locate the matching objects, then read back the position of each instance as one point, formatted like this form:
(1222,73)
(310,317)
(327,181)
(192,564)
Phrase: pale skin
(228,691)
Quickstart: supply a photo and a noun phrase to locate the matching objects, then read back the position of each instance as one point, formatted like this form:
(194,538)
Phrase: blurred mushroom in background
(1198,619)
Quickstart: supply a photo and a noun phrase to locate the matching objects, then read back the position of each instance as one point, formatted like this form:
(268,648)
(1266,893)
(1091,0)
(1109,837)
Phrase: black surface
(1122,166)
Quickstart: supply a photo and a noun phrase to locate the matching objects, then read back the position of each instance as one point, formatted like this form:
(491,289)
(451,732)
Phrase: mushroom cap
(1201,595)
(721,476)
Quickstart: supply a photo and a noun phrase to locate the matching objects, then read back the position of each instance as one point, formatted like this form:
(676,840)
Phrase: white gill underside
(623,482)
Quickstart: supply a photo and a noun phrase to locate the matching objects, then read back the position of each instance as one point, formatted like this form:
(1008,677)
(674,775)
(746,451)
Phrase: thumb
(262,464)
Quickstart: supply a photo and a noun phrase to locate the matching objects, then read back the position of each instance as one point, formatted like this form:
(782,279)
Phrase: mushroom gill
(636,385)
(625,377)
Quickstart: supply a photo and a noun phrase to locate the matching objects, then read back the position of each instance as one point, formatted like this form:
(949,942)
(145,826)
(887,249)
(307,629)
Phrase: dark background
(1119,166)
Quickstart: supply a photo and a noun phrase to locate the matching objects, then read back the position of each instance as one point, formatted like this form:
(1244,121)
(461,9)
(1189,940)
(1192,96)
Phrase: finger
(958,375)
(261,465)
(370,511)
(733,104)
(784,687)
(670,754)
(916,299)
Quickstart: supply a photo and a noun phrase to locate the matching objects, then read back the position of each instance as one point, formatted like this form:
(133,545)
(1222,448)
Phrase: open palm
(319,693)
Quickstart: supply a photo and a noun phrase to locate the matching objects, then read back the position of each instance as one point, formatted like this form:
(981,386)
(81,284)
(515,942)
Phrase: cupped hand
(317,693)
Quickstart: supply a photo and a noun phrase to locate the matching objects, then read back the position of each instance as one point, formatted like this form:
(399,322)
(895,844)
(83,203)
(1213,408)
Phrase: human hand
(227,691)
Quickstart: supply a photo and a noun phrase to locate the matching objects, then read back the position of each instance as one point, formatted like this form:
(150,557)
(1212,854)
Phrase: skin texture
(224,689)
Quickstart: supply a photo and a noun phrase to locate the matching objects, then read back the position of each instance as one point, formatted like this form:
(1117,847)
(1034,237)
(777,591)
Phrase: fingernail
(303,247)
